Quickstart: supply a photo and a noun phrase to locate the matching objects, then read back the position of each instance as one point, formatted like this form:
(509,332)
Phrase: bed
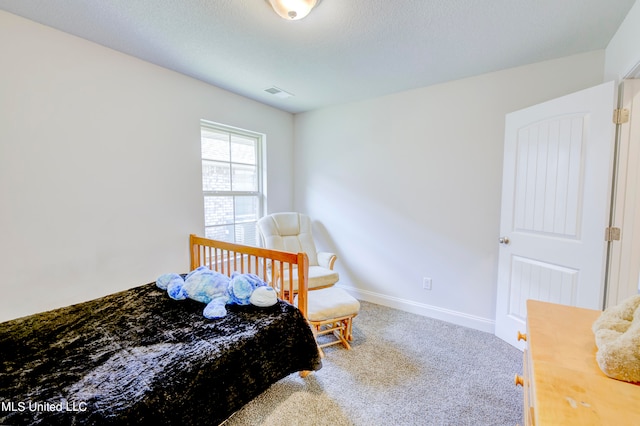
(137,355)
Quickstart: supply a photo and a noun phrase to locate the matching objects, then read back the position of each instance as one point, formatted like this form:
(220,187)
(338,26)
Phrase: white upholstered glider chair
(292,232)
(330,310)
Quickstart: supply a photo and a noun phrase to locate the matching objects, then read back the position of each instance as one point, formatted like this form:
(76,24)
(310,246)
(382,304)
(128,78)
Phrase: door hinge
(612,234)
(620,115)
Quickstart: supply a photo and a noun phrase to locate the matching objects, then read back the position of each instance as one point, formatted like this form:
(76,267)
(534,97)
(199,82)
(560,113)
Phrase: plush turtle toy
(217,290)
(201,284)
(242,286)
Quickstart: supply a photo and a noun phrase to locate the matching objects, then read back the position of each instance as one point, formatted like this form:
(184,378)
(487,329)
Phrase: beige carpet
(404,369)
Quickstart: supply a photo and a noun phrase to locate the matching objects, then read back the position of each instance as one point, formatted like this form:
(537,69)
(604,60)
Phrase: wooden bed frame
(269,265)
(118,357)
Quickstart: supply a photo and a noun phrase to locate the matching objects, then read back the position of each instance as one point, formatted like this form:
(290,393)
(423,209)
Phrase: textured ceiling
(345,50)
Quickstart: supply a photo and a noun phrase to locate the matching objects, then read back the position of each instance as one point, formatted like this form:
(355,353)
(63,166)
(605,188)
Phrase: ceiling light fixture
(292,10)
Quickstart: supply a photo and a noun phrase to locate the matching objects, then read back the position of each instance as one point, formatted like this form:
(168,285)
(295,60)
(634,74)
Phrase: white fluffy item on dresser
(617,333)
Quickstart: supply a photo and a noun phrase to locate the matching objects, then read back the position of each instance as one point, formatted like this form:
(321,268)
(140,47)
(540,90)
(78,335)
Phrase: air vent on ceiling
(276,91)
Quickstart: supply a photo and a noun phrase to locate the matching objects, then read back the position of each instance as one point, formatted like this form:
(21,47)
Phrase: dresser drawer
(525,381)
(529,409)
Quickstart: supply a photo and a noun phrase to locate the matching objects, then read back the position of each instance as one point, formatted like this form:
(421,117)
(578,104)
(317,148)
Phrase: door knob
(504,240)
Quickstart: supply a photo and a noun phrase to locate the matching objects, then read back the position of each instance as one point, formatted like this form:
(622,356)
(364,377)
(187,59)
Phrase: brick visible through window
(231,183)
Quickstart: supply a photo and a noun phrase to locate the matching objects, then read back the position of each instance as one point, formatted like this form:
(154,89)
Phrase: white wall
(408,185)
(98,150)
(623,51)
(100,166)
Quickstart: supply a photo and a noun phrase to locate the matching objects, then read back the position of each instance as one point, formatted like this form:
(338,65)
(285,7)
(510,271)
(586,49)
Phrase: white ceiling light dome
(293,10)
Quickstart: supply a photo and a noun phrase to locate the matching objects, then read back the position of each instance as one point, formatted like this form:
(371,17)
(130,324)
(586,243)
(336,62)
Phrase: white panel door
(555,205)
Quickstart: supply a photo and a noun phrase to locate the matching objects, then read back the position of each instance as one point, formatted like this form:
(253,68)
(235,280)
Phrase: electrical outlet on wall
(426,283)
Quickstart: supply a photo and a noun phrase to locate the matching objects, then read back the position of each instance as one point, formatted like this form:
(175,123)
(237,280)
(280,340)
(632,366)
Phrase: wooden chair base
(331,312)
(341,328)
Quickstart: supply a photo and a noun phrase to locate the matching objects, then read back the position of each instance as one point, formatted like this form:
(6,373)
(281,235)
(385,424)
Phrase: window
(231,183)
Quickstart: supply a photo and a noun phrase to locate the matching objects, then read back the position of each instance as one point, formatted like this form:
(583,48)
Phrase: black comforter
(139,356)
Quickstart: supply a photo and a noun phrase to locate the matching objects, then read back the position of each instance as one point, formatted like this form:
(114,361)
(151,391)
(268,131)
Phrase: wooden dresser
(563,384)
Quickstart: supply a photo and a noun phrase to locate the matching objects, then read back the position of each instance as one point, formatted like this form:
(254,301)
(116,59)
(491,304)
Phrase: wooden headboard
(269,265)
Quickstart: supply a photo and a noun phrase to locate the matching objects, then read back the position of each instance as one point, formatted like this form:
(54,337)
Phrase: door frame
(623,263)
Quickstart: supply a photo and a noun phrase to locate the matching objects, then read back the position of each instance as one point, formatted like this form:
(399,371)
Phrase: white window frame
(260,165)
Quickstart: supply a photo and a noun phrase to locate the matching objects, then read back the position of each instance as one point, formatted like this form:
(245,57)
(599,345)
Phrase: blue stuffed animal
(173,284)
(217,290)
(201,284)
(242,286)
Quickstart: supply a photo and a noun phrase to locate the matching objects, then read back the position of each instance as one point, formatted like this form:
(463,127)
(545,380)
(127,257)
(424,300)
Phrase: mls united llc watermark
(34,406)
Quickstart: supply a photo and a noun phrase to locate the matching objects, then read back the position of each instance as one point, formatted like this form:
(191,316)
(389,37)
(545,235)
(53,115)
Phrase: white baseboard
(454,317)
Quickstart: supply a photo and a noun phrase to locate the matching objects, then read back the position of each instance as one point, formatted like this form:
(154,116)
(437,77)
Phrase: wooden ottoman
(331,311)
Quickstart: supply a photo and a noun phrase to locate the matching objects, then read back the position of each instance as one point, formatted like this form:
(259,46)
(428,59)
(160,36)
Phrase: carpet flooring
(403,369)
